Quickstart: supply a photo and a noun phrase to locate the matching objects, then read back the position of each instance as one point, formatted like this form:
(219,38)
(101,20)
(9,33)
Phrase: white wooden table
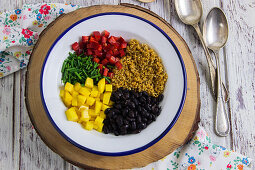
(21,147)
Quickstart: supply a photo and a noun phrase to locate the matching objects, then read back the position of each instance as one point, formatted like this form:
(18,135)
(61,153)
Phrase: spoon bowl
(215,29)
(190,12)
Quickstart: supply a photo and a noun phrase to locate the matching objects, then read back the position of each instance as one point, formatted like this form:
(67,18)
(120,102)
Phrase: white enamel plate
(128,26)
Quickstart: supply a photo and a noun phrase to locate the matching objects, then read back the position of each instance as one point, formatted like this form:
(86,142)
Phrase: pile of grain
(142,70)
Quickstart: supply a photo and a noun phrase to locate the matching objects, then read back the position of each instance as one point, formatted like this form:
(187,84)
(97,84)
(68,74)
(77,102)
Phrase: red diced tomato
(111,40)
(110,52)
(116,38)
(105,62)
(112,60)
(97,35)
(98,53)
(97,60)
(124,45)
(110,74)
(82,45)
(85,39)
(116,45)
(75,46)
(92,39)
(118,65)
(89,52)
(89,46)
(105,71)
(105,34)
(104,39)
(122,53)
(121,40)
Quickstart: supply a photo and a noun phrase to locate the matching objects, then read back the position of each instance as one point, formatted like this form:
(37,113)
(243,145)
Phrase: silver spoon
(215,33)
(190,12)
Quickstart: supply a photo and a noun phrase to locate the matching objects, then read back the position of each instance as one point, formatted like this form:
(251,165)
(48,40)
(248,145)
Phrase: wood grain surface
(21,148)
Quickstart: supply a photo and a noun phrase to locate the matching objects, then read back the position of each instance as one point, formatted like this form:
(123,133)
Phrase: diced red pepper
(97,35)
(110,74)
(75,46)
(108,56)
(121,40)
(115,52)
(111,40)
(104,39)
(89,46)
(92,39)
(105,33)
(104,44)
(116,45)
(97,60)
(122,53)
(100,68)
(100,47)
(82,45)
(105,71)
(85,39)
(124,45)
(89,52)
(107,48)
(116,38)
(118,65)
(112,60)
(117,59)
(105,62)
(79,51)
(94,44)
(98,53)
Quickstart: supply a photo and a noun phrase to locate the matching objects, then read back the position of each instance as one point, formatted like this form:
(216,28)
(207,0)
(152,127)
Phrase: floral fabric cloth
(19,31)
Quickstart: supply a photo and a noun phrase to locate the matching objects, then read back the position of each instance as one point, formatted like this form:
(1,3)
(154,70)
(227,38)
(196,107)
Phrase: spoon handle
(221,121)
(208,58)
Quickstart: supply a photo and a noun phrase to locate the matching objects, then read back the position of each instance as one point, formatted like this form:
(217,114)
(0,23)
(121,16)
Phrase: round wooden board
(177,136)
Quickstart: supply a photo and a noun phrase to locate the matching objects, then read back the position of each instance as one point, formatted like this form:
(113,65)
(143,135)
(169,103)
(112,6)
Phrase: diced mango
(84,116)
(69,87)
(97,99)
(94,93)
(85,91)
(89,125)
(83,107)
(81,99)
(108,87)
(100,127)
(101,85)
(98,107)
(98,95)
(92,118)
(91,101)
(89,83)
(62,92)
(102,96)
(74,101)
(106,98)
(102,115)
(77,86)
(71,114)
(104,107)
(92,112)
(95,126)
(111,103)
(67,98)
(99,120)
(74,93)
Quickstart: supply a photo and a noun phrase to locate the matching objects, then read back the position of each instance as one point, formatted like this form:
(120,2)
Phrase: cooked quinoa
(142,70)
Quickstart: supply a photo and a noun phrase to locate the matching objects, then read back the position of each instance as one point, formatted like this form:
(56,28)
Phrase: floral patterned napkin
(19,31)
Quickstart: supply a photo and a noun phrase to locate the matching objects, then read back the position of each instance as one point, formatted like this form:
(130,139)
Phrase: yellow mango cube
(88,125)
(99,120)
(102,96)
(111,103)
(100,127)
(98,99)
(77,86)
(71,114)
(62,92)
(74,93)
(81,99)
(94,93)
(83,107)
(69,87)
(98,95)
(101,85)
(106,98)
(67,98)
(95,126)
(108,87)
(92,118)
(102,115)
(74,101)
(89,83)
(85,91)
(104,107)
(98,107)
(92,112)
(90,101)
(84,116)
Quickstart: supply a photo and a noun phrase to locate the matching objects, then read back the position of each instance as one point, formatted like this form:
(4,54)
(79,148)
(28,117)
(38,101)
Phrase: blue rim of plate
(130,151)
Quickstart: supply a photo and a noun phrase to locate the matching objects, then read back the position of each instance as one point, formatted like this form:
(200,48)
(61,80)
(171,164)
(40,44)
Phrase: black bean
(160,97)
(133,125)
(105,129)
(145,94)
(142,125)
(107,111)
(149,117)
(138,119)
(119,120)
(144,119)
(136,102)
(139,108)
(126,96)
(132,105)
(148,122)
(116,133)
(125,122)
(131,114)
(118,106)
